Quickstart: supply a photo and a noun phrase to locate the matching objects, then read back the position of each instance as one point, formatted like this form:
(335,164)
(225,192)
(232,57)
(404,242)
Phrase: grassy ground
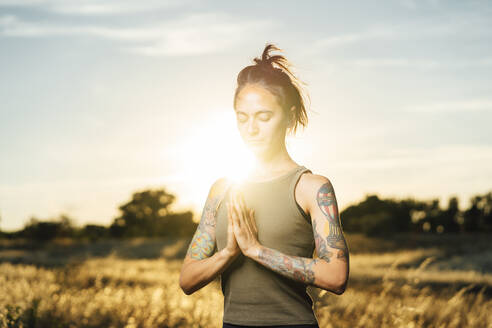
(405,281)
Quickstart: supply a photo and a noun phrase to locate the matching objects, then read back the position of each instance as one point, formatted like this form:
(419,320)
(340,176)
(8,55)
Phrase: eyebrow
(258,112)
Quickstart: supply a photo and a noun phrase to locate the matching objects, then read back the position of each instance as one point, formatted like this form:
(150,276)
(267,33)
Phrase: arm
(326,271)
(200,267)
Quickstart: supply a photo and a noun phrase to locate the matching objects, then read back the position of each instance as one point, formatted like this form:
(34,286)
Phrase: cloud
(203,33)
(413,4)
(425,64)
(343,39)
(188,35)
(468,105)
(431,158)
(93,7)
(463,26)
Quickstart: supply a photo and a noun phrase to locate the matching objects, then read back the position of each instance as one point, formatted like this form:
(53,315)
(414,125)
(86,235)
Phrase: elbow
(337,284)
(185,287)
(187,291)
(340,285)
(339,290)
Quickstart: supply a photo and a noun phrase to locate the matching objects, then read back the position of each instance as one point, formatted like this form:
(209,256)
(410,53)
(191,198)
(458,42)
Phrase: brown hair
(275,75)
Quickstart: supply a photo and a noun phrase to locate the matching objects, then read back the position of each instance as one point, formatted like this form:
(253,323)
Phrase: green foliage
(148,214)
(375,216)
(94,232)
(39,230)
(377,224)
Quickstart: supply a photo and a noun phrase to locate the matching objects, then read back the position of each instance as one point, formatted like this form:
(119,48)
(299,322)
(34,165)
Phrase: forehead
(253,97)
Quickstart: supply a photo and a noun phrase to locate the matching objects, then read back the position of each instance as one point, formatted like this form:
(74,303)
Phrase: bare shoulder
(219,186)
(308,187)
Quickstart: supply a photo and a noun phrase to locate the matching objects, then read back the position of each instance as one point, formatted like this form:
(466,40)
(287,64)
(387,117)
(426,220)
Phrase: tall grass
(404,288)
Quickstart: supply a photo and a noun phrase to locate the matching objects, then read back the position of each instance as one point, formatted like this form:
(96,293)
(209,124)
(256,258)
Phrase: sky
(101,99)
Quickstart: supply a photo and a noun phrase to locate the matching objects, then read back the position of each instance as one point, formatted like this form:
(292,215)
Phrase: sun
(213,149)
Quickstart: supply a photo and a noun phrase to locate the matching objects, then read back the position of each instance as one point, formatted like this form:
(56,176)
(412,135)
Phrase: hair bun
(266,60)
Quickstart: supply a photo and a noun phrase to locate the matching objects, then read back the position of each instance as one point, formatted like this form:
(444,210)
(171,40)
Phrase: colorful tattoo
(332,228)
(295,267)
(321,250)
(203,243)
(201,246)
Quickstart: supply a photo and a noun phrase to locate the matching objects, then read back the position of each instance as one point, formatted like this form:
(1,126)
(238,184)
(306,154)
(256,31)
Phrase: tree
(472,215)
(148,214)
(49,229)
(375,216)
(94,231)
(479,216)
(448,219)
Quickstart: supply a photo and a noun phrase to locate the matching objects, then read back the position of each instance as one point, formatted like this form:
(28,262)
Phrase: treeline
(375,216)
(147,214)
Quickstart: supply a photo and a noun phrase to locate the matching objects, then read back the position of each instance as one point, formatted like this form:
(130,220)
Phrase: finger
(238,209)
(228,212)
(230,223)
(252,213)
(251,221)
(232,215)
(235,216)
(247,224)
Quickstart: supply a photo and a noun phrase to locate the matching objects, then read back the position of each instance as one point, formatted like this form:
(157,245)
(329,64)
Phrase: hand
(244,225)
(232,248)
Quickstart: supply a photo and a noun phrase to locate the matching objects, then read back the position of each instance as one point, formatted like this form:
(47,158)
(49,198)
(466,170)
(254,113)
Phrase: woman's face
(260,119)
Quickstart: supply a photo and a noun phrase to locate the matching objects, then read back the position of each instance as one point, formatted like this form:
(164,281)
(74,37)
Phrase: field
(405,281)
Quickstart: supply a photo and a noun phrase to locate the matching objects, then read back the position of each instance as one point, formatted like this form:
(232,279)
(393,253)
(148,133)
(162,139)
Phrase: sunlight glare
(214,149)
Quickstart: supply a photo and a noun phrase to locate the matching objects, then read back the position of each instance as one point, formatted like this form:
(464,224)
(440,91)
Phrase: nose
(252,127)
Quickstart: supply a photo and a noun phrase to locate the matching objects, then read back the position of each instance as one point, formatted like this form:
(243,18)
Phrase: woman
(266,231)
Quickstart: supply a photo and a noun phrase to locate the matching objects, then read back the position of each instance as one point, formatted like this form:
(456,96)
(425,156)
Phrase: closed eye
(242,118)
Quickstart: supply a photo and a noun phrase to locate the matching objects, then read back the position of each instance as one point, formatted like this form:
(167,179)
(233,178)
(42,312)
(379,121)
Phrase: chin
(261,151)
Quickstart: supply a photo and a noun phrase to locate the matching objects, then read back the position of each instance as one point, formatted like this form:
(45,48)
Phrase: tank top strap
(292,186)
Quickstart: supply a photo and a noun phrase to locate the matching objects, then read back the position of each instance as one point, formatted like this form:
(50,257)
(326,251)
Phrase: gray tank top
(253,293)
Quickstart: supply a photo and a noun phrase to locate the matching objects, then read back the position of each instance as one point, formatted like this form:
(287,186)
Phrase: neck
(276,160)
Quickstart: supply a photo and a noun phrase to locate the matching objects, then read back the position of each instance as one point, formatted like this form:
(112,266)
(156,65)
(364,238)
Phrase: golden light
(213,149)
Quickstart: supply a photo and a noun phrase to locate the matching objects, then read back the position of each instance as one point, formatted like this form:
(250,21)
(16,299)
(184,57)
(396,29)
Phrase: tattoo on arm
(203,243)
(332,229)
(295,267)
(321,250)
(302,268)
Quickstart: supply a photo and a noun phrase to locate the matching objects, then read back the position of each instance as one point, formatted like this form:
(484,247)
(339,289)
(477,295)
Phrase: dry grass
(110,285)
